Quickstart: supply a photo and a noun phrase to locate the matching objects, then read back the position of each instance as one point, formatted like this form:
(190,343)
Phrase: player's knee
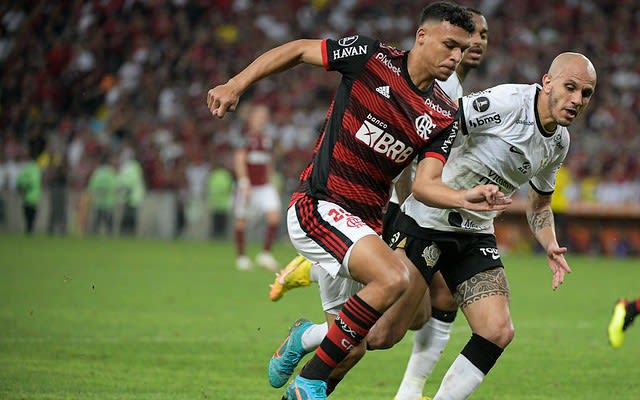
(395,282)
(383,339)
(501,334)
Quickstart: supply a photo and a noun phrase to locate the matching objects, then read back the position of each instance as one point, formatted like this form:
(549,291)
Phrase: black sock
(482,353)
(442,315)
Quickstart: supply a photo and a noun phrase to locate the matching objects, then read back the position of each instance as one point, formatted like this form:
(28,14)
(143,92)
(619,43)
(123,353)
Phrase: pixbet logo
(383,58)
(384,143)
(437,108)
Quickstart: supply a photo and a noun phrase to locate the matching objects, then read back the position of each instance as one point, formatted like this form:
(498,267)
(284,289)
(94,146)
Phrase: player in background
(253,167)
(624,313)
(384,114)
(430,340)
(513,134)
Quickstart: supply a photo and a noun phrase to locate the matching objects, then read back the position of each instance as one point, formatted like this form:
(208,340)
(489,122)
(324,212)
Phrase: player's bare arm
(429,189)
(540,218)
(224,98)
(403,184)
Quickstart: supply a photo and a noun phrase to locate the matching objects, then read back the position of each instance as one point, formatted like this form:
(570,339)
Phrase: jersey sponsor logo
(258,157)
(495,179)
(431,254)
(479,93)
(446,146)
(424,126)
(348,41)
(560,141)
(437,108)
(383,143)
(350,51)
(481,104)
(456,219)
(516,150)
(494,119)
(525,168)
(384,91)
(490,252)
(383,58)
(524,122)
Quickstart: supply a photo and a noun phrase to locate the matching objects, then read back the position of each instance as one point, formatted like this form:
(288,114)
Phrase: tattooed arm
(540,218)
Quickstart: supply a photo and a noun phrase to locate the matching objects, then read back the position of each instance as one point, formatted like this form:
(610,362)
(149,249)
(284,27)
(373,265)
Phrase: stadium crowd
(84,77)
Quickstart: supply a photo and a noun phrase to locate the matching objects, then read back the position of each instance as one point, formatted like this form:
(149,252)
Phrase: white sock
(460,381)
(314,272)
(428,344)
(312,337)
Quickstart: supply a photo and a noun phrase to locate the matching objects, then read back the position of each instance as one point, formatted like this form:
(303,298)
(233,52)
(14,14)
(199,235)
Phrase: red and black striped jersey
(259,148)
(378,122)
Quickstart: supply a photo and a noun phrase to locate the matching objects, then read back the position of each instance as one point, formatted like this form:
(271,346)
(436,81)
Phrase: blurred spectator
(103,185)
(29,186)
(132,188)
(220,185)
(54,164)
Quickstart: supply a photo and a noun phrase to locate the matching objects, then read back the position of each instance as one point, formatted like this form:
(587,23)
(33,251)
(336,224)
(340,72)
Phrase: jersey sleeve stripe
(463,120)
(432,154)
(325,56)
(538,190)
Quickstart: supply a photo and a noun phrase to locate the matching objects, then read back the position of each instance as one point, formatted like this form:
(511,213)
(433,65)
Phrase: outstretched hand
(485,198)
(557,264)
(222,99)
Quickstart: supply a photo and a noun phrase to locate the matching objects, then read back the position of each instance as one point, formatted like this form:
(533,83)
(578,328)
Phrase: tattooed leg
(484,300)
(484,284)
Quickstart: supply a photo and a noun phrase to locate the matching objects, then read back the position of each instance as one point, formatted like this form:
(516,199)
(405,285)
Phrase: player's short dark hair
(474,11)
(450,12)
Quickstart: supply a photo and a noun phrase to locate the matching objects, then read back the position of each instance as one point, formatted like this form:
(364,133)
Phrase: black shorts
(388,221)
(458,256)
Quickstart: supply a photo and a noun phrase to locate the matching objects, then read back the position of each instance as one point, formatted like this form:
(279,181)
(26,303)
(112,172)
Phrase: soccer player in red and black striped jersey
(387,111)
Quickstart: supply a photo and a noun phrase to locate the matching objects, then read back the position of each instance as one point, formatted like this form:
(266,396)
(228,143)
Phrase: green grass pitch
(96,318)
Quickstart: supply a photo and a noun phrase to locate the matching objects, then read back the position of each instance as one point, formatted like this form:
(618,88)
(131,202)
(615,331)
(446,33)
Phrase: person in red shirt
(255,192)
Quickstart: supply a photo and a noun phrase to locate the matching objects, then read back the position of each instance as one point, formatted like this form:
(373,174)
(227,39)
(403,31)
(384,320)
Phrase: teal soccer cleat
(288,355)
(306,389)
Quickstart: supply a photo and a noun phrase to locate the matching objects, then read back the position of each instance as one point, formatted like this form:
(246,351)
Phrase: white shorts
(261,199)
(334,292)
(325,233)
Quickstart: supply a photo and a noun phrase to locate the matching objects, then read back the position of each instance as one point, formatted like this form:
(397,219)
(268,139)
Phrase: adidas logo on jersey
(383,90)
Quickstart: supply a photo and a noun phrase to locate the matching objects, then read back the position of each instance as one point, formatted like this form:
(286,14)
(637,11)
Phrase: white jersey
(453,88)
(505,144)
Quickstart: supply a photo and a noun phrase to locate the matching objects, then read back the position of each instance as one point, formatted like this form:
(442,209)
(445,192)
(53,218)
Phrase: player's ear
(546,83)
(421,34)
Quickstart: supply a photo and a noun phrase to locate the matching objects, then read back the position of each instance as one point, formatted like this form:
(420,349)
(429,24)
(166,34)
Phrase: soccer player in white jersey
(514,134)
(430,340)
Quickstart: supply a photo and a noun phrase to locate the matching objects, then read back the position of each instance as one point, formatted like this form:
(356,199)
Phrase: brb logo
(381,141)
